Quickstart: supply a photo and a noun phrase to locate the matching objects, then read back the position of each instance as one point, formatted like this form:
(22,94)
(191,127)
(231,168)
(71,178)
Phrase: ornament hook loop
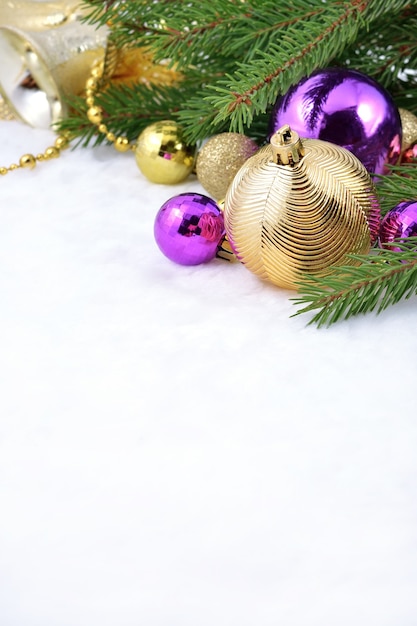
(287,148)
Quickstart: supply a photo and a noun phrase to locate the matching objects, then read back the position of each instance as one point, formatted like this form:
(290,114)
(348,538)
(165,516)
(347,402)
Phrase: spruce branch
(310,40)
(386,51)
(381,279)
(248,53)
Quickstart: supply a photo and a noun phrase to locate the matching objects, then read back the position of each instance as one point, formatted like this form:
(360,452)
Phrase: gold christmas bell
(298,207)
(41,67)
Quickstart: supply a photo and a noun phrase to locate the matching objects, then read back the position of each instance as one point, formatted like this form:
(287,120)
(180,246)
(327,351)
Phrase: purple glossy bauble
(348,109)
(188,228)
(399,222)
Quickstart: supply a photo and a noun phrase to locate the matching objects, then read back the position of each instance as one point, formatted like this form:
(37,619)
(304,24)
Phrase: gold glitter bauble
(297,207)
(409,127)
(162,155)
(219,160)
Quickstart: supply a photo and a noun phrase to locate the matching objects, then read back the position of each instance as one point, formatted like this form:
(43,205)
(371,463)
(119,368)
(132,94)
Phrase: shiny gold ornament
(162,154)
(39,69)
(220,158)
(297,207)
(409,127)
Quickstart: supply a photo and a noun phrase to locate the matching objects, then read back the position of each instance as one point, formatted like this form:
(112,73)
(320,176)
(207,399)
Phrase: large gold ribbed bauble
(297,207)
(220,158)
(163,155)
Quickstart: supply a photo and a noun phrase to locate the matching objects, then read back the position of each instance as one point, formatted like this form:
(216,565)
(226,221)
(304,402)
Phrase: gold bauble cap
(299,206)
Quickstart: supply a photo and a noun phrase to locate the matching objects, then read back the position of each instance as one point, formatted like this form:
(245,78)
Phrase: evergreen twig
(381,279)
(245,54)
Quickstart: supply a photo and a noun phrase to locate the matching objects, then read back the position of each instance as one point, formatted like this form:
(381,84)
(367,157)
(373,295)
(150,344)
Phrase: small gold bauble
(220,158)
(297,207)
(162,154)
(409,127)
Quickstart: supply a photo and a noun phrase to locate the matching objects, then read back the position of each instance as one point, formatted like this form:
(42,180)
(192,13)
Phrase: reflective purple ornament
(399,223)
(188,228)
(347,108)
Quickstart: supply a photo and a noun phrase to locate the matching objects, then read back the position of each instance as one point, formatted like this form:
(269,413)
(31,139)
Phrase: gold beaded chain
(95,113)
(29,161)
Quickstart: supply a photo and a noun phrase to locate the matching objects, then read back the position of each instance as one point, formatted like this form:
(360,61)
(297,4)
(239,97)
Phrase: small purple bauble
(347,108)
(188,228)
(399,223)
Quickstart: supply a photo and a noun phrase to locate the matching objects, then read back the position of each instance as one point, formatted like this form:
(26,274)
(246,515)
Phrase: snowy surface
(175,450)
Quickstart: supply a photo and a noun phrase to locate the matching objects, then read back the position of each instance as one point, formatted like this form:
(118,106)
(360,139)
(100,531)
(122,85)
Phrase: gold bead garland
(29,161)
(95,113)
